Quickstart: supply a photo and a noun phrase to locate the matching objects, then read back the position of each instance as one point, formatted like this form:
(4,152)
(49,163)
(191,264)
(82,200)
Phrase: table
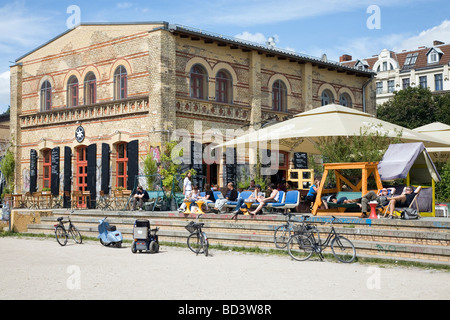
(188,206)
(248,203)
(200,204)
(373,210)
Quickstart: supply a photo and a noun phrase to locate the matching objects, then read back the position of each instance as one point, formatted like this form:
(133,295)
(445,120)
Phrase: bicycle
(197,241)
(303,244)
(62,234)
(284,232)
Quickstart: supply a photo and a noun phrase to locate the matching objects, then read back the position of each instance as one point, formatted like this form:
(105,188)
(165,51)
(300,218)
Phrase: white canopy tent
(302,132)
(439,131)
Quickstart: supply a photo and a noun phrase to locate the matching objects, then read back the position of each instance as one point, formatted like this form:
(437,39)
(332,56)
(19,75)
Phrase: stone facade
(158,59)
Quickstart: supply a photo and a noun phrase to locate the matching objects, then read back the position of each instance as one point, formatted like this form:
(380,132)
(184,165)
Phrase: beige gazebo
(302,132)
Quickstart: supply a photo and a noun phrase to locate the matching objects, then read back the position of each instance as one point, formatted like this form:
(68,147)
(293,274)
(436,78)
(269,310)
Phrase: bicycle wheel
(281,236)
(194,243)
(75,234)
(205,244)
(343,249)
(300,247)
(61,235)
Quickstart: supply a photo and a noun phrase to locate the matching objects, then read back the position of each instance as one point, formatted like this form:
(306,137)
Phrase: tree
(169,168)
(365,147)
(414,107)
(150,170)
(443,187)
(7,165)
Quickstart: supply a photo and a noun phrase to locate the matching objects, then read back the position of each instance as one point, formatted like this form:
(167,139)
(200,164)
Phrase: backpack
(409,214)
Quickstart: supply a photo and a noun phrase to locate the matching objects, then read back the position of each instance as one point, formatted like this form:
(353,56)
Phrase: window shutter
(133,166)
(106,155)
(33,170)
(55,172)
(67,174)
(91,181)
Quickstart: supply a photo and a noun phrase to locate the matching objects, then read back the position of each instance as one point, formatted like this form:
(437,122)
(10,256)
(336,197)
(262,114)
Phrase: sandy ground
(42,269)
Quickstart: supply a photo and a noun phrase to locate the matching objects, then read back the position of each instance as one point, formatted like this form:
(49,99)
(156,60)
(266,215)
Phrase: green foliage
(414,107)
(7,165)
(150,169)
(443,187)
(170,166)
(367,147)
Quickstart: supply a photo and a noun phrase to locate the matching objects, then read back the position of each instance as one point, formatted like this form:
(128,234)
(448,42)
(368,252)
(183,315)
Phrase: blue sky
(333,27)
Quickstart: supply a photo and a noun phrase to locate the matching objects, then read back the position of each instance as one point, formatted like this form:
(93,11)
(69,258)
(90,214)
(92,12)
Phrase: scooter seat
(111,228)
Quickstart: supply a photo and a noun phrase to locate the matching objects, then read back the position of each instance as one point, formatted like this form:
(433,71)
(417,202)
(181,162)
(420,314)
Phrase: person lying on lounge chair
(404,200)
(381,197)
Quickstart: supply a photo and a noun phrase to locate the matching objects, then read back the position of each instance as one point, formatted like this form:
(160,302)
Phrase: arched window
(120,83)
(199,79)
(121,168)
(327,97)
(72,92)
(345,100)
(279,96)
(90,88)
(46,96)
(224,87)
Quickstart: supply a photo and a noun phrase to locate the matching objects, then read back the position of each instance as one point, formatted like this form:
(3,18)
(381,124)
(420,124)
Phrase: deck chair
(291,201)
(398,210)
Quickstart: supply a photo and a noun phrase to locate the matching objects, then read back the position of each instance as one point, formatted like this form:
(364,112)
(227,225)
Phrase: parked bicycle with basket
(304,243)
(197,241)
(62,234)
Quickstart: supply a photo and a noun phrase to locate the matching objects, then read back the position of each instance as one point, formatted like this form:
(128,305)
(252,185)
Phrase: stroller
(144,238)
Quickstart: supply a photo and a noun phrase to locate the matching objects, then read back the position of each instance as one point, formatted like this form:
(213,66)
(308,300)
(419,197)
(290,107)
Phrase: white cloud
(22,27)
(124,5)
(366,47)
(252,37)
(426,37)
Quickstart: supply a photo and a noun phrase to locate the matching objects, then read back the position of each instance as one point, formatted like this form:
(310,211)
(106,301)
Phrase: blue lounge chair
(280,203)
(292,200)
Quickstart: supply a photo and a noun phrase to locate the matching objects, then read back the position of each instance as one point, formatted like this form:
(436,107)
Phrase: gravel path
(41,269)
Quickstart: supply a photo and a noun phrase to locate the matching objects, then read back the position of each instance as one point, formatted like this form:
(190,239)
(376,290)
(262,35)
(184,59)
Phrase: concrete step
(420,240)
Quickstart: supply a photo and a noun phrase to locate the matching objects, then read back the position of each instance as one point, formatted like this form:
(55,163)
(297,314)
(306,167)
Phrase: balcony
(210,110)
(103,110)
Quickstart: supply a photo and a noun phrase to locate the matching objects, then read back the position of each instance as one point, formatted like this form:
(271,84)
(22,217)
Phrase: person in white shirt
(274,195)
(187,184)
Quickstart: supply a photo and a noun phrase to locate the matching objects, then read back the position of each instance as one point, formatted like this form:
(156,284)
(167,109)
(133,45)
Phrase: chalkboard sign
(55,171)
(231,164)
(33,170)
(300,160)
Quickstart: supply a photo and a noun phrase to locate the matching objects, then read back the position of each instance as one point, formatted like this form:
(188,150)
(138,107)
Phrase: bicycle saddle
(60,219)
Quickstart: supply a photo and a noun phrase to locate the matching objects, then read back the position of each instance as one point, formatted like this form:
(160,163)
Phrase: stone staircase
(426,240)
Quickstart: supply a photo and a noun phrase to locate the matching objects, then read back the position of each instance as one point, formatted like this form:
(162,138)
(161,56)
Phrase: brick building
(88,104)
